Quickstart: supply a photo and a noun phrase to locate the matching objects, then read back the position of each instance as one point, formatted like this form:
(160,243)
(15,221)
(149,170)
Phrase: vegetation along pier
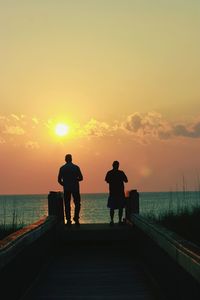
(139,260)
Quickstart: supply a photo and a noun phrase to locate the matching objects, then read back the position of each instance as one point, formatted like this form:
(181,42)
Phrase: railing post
(55,205)
(132,204)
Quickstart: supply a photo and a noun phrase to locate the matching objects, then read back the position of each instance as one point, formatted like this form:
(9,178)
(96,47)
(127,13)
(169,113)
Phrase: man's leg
(77,204)
(120,213)
(112,212)
(67,200)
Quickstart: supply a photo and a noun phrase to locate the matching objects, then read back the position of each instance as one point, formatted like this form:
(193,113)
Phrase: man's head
(115,165)
(68,158)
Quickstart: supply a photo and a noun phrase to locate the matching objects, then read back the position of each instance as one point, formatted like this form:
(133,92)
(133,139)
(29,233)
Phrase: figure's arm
(107,178)
(125,179)
(60,179)
(80,176)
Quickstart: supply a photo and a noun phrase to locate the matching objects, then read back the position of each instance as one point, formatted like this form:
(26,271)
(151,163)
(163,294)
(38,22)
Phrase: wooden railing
(183,252)
(18,241)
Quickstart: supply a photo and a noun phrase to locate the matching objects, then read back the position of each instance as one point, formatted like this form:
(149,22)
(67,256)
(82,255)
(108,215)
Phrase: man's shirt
(116,179)
(69,176)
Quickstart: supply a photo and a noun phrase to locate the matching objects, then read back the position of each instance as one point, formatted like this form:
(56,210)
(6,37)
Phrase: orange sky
(123,75)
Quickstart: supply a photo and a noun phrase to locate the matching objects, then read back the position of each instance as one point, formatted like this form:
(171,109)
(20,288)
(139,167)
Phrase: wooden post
(55,205)
(132,204)
(134,199)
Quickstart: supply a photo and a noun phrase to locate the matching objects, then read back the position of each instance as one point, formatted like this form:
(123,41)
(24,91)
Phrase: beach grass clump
(14,225)
(5,230)
(185,223)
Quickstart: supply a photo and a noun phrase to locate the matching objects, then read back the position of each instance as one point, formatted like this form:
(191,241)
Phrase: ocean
(26,209)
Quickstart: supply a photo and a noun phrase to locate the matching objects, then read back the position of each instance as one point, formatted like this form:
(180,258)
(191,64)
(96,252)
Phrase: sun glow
(61,129)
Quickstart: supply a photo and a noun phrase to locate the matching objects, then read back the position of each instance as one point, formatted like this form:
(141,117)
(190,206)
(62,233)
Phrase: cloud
(14,130)
(150,124)
(17,125)
(191,131)
(142,127)
(11,125)
(96,128)
(153,125)
(35,120)
(32,145)
(15,117)
(134,122)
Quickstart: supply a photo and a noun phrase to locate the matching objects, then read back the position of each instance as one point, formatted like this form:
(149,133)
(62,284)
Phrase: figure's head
(115,165)
(68,158)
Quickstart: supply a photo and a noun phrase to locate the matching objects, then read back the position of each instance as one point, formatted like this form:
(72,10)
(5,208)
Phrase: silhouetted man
(116,200)
(69,177)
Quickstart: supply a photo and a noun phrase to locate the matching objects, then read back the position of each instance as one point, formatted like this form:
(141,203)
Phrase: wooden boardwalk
(94,262)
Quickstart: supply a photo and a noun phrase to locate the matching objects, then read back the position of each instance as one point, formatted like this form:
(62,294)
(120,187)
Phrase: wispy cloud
(11,125)
(15,117)
(96,128)
(32,145)
(35,120)
(14,130)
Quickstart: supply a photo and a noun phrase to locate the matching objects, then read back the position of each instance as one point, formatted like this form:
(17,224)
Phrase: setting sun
(61,129)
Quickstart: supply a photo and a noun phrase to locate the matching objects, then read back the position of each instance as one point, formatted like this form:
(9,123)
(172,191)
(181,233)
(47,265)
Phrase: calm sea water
(27,209)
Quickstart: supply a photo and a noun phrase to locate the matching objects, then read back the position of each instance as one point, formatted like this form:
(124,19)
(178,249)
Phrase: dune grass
(15,224)
(186,223)
(182,215)
(8,229)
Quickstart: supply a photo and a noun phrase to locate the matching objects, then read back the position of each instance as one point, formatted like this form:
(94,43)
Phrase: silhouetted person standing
(116,200)
(69,177)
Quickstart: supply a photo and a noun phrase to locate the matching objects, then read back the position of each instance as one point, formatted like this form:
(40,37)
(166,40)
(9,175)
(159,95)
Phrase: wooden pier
(95,261)
(49,261)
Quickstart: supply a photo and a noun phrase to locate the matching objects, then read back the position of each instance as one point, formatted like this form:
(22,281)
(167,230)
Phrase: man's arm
(125,179)
(80,176)
(107,178)
(60,179)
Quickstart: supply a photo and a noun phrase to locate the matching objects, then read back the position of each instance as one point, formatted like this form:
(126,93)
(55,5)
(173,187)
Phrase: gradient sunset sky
(124,75)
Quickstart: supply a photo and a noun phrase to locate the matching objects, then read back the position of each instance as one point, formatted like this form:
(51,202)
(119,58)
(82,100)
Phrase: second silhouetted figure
(116,200)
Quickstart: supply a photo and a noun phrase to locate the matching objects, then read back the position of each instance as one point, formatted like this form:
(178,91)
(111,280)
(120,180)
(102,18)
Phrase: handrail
(17,241)
(185,253)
